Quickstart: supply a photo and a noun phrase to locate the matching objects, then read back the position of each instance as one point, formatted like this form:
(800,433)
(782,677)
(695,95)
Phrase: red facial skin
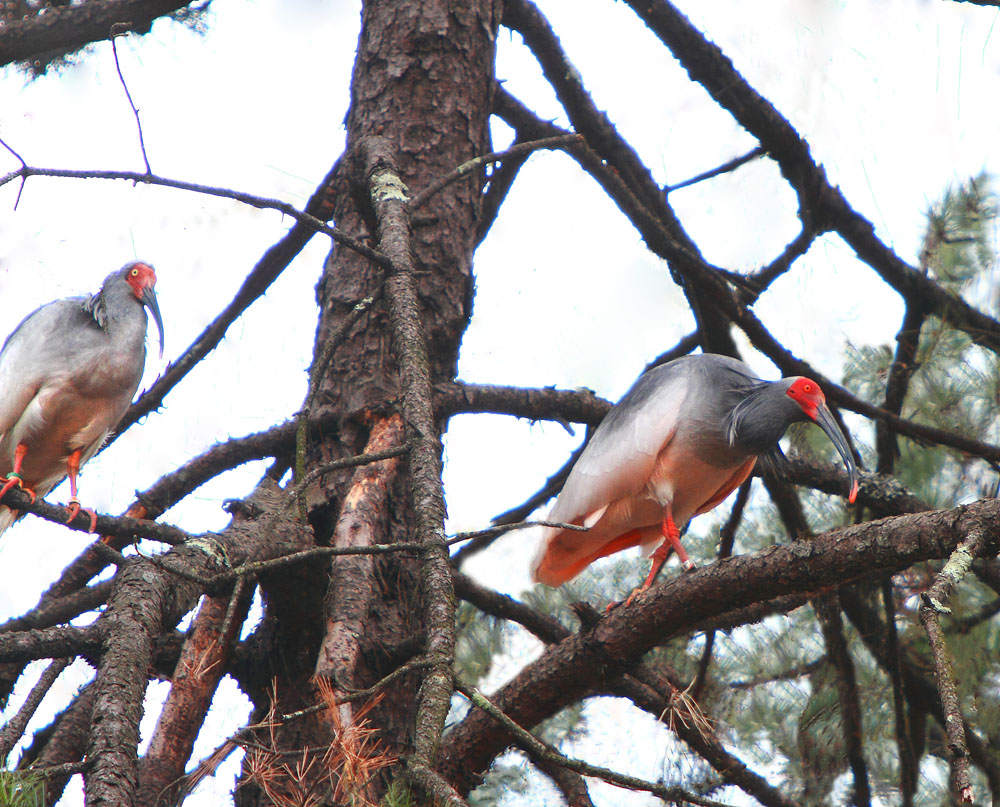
(807,394)
(141,277)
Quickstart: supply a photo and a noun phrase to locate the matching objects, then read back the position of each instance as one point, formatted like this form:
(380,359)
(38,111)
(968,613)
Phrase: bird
(67,374)
(685,436)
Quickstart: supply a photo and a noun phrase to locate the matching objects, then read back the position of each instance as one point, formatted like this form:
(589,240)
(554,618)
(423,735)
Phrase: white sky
(897,99)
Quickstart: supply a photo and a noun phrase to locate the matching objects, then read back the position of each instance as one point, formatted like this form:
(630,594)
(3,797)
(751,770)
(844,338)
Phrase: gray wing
(30,352)
(621,455)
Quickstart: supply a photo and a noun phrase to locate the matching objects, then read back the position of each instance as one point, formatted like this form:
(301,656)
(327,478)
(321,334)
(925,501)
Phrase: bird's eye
(135,273)
(807,387)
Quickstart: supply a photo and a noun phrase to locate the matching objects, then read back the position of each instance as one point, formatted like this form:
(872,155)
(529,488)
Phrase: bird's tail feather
(7,517)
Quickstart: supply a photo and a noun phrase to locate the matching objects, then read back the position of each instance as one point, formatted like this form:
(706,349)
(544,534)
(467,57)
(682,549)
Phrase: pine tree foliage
(21,789)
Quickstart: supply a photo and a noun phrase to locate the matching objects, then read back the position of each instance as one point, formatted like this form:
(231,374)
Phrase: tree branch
(932,604)
(573,667)
(63,30)
(388,198)
(14,728)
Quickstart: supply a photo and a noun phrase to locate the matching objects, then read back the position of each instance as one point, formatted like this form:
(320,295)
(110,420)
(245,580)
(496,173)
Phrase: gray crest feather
(96,307)
(744,410)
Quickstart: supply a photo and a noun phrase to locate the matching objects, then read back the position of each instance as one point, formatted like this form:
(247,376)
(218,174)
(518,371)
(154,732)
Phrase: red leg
(659,557)
(73,468)
(14,479)
(673,535)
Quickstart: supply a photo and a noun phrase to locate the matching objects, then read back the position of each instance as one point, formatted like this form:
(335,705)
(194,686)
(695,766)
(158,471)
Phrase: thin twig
(267,269)
(785,675)
(500,529)
(534,747)
(249,199)
(255,568)
(119,29)
(725,168)
(466,168)
(24,165)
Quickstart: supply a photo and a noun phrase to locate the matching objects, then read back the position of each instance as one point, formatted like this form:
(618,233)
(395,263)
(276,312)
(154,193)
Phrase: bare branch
(904,364)
(14,728)
(62,609)
(826,205)
(55,642)
(908,772)
(63,30)
(268,268)
(545,627)
(388,197)
(258,202)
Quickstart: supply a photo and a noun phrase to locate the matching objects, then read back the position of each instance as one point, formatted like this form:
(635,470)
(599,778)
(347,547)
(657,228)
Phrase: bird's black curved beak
(149,300)
(824,419)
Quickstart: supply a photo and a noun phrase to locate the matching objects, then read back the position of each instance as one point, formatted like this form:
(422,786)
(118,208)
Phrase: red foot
(14,481)
(75,510)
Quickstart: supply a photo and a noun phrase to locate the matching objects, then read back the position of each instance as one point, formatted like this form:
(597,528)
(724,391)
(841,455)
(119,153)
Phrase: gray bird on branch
(67,374)
(686,435)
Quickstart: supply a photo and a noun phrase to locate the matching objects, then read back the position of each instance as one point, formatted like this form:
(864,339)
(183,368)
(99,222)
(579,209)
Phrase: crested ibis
(67,374)
(682,439)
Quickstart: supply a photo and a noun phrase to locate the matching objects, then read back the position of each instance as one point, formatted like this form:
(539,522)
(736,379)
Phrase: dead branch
(55,642)
(199,670)
(931,606)
(352,584)
(147,599)
(388,197)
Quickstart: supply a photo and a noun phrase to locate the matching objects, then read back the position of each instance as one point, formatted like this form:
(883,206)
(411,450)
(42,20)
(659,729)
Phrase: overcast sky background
(897,100)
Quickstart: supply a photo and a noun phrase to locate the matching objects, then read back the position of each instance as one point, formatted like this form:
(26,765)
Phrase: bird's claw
(626,602)
(635,593)
(75,509)
(689,565)
(14,481)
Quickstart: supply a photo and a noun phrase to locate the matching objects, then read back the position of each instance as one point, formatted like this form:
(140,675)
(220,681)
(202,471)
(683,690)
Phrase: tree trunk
(422,81)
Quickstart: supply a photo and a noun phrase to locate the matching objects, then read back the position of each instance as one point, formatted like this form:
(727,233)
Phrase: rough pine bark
(423,80)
